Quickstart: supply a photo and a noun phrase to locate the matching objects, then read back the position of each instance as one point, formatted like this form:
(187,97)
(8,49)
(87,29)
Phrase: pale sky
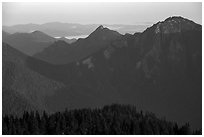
(98,13)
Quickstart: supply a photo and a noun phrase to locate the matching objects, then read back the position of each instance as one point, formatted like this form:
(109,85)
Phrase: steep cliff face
(173,45)
(160,69)
(170,65)
(176,24)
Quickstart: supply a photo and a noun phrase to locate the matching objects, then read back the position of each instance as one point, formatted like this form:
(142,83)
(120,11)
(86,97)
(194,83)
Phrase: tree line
(110,120)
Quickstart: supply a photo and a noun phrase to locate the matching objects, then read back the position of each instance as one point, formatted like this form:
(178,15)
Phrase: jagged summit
(104,33)
(100,27)
(176,24)
(178,18)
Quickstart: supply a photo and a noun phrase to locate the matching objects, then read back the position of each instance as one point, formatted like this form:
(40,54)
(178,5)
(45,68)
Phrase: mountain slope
(159,69)
(100,38)
(28,43)
(23,89)
(5,34)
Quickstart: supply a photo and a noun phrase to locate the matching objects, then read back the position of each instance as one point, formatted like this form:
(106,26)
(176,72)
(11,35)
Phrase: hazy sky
(98,13)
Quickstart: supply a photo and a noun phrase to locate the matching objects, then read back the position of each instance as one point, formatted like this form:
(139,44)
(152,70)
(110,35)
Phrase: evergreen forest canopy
(159,70)
(110,120)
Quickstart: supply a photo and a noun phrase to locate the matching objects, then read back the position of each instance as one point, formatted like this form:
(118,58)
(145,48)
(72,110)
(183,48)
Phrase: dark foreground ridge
(113,119)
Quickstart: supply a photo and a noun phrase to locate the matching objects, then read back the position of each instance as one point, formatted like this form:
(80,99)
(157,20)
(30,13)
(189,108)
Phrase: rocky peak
(176,24)
(100,27)
(104,33)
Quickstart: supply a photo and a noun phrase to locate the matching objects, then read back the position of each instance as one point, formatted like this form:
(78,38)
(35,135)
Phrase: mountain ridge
(58,29)
(159,72)
(98,39)
(29,43)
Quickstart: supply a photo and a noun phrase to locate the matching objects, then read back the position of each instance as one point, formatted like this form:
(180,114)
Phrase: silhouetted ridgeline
(159,70)
(114,119)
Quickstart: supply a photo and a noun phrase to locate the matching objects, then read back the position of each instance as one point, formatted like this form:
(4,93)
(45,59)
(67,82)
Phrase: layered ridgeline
(33,42)
(63,53)
(69,41)
(22,88)
(56,29)
(28,43)
(158,70)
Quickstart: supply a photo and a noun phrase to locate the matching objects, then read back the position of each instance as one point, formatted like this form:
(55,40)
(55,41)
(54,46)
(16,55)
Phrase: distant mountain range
(57,29)
(31,43)
(69,41)
(159,70)
(61,53)
(28,43)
